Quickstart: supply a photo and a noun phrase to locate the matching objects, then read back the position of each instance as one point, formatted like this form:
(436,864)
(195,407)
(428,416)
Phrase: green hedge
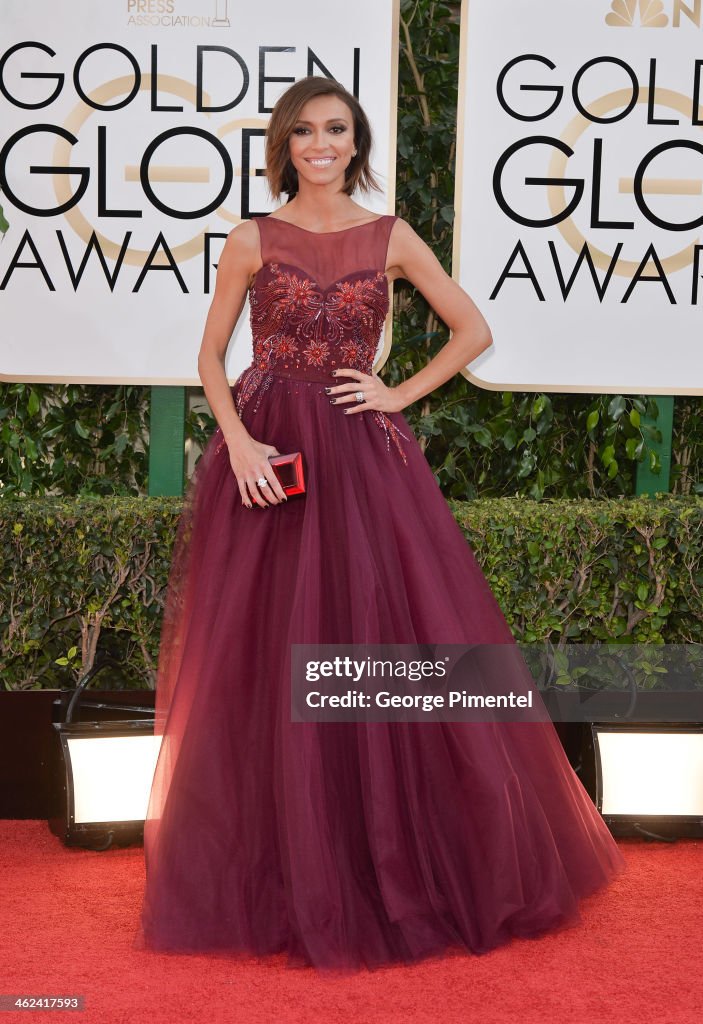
(78,572)
(87,573)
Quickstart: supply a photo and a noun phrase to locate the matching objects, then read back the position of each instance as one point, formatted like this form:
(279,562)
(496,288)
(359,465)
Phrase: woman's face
(322,141)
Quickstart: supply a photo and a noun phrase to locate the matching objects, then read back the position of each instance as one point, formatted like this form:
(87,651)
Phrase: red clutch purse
(290,472)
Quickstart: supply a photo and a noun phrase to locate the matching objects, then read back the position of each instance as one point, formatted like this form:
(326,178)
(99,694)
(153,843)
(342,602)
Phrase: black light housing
(649,778)
(104,771)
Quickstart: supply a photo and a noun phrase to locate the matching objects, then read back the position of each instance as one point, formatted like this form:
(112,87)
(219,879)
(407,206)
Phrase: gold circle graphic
(62,157)
(558,168)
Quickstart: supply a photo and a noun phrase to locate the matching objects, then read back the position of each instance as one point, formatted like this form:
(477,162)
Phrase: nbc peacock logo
(646,13)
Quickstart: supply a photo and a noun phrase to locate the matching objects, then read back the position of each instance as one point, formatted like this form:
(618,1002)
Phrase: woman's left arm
(411,258)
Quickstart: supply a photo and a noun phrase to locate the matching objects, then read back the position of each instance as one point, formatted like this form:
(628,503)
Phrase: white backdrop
(652,343)
(148,330)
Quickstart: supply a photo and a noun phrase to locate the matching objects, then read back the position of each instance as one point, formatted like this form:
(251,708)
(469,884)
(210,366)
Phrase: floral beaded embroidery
(320,317)
(251,380)
(255,379)
(392,432)
(297,324)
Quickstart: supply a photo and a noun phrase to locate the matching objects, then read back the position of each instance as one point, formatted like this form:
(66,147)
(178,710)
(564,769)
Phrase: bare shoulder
(402,229)
(244,238)
(405,248)
(242,250)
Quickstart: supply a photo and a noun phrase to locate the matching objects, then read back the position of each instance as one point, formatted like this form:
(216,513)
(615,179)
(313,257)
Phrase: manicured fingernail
(327,390)
(332,401)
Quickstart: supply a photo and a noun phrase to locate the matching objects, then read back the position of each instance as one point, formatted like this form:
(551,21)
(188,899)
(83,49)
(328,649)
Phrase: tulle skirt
(343,844)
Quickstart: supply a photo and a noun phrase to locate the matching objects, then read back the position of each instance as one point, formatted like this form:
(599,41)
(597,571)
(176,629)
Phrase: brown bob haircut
(280,172)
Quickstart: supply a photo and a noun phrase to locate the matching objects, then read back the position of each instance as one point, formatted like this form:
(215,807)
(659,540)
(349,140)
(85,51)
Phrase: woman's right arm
(248,458)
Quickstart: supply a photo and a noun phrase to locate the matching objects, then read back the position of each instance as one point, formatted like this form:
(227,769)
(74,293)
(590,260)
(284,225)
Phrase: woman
(339,844)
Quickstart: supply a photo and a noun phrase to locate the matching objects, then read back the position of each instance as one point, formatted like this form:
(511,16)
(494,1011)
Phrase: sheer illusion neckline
(340,231)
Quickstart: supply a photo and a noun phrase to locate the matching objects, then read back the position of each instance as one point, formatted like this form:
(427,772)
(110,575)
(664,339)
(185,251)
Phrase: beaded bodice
(305,321)
(318,303)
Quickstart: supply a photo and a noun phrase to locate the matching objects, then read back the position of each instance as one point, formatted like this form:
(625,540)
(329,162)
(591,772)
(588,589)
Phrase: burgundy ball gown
(352,844)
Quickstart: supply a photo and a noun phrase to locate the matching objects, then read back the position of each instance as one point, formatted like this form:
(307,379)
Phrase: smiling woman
(340,132)
(339,843)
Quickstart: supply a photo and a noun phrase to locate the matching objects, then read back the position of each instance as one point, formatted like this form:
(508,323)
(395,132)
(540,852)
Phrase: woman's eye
(335,128)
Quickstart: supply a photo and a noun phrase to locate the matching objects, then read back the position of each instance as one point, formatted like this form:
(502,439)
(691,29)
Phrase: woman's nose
(318,140)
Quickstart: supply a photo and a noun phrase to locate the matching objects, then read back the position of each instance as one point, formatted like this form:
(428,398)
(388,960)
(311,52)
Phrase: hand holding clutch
(290,473)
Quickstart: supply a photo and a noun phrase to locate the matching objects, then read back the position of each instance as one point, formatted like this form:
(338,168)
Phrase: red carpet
(69,916)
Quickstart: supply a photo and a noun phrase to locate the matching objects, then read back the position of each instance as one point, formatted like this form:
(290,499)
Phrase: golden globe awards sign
(132,142)
(579,227)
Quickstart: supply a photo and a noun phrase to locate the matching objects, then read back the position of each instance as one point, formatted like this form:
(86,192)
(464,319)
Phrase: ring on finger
(262,482)
(359,396)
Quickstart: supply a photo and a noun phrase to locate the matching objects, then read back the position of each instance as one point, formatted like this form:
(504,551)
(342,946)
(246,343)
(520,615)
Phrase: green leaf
(616,407)
(631,446)
(510,438)
(483,437)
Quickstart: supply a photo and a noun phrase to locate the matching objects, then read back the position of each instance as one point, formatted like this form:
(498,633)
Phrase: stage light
(104,772)
(649,778)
